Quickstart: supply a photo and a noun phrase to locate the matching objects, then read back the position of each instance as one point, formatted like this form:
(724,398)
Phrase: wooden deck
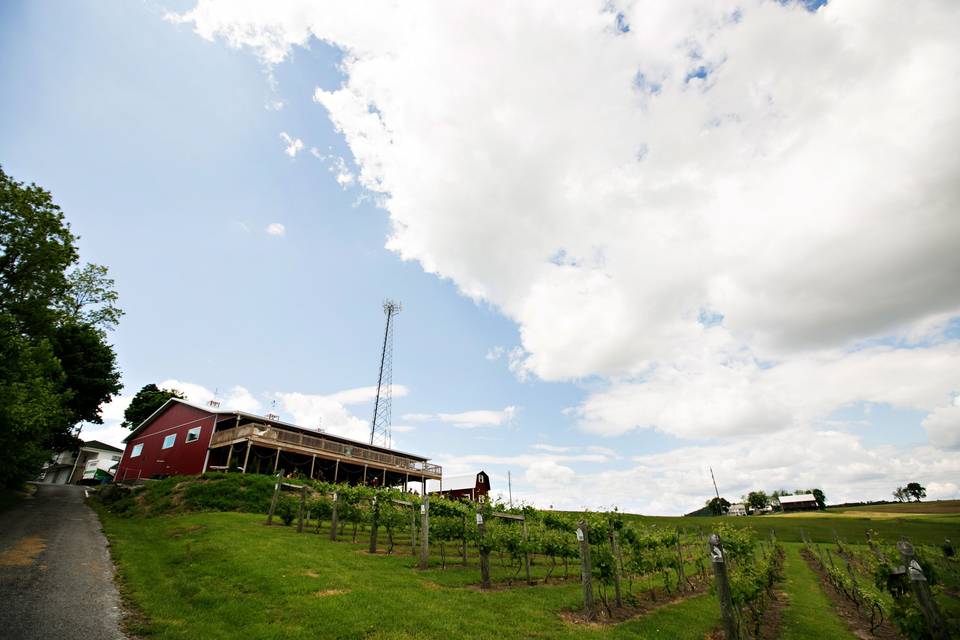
(272,437)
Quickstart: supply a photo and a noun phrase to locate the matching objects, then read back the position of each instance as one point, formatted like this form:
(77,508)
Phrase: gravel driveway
(56,577)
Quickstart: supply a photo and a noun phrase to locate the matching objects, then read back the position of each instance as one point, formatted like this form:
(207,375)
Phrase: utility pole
(510,489)
(714,484)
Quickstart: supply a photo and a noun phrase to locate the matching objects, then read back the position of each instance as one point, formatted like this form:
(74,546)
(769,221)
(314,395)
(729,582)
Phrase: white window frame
(169,441)
(137,450)
(195,432)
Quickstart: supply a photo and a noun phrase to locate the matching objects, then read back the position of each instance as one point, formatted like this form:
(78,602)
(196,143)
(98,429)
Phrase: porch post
(246,457)
(276,462)
(313,461)
(336,471)
(229,456)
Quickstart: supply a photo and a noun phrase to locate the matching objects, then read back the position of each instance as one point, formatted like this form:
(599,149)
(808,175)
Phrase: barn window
(169,441)
(193,435)
(137,448)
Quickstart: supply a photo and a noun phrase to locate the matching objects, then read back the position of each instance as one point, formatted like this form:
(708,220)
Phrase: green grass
(809,613)
(920,529)
(225,575)
(933,506)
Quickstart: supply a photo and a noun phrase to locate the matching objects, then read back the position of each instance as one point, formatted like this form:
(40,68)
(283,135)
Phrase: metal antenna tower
(380,427)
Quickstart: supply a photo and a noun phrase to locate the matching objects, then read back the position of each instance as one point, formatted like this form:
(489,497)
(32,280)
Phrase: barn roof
(804,497)
(100,446)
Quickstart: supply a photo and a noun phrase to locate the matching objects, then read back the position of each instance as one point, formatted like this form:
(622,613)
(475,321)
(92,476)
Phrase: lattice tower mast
(380,428)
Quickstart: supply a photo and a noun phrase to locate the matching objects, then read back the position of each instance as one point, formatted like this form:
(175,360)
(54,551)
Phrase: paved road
(56,578)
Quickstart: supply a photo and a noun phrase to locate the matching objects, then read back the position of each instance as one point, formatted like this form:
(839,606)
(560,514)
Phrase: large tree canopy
(148,399)
(56,367)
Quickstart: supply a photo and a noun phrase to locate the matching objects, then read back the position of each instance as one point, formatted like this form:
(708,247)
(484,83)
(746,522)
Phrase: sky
(632,240)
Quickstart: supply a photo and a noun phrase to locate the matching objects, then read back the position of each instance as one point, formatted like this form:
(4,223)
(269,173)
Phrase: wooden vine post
(374,524)
(526,552)
(463,538)
(484,551)
(333,517)
(303,504)
(681,574)
(921,591)
(586,569)
(719,561)
(273,500)
(425,533)
(413,531)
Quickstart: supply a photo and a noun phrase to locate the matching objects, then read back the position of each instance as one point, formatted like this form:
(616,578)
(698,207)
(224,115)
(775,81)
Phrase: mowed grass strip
(225,575)
(809,613)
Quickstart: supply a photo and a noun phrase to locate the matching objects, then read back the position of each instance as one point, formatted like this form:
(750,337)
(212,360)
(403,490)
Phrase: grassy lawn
(225,575)
(809,613)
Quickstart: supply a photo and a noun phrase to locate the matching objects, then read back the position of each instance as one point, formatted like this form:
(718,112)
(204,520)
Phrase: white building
(92,464)
(737,509)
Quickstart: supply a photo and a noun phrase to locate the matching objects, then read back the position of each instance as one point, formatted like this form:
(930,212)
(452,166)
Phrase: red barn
(181,438)
(473,487)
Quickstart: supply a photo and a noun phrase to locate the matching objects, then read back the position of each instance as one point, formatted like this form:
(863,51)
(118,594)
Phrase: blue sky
(169,155)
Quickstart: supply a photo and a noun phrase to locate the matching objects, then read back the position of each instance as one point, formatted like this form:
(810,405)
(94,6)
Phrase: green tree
(901,495)
(915,491)
(718,506)
(148,399)
(56,368)
(90,297)
(758,500)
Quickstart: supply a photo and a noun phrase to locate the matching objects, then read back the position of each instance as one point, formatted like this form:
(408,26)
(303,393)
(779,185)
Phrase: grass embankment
(809,613)
(226,575)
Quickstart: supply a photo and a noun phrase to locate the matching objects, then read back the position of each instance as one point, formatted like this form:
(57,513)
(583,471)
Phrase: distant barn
(475,486)
(803,502)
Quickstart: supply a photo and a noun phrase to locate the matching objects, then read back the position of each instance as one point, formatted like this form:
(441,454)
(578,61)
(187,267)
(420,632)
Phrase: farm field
(225,575)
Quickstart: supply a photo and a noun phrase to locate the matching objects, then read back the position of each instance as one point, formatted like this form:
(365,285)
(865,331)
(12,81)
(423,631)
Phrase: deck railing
(359,452)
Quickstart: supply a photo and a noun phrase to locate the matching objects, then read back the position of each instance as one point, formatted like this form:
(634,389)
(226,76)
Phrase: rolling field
(226,575)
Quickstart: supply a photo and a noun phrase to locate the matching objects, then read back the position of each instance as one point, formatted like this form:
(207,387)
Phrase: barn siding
(183,458)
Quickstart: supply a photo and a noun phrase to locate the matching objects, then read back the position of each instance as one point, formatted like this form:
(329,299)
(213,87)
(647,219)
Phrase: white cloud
(276,229)
(943,427)
(236,398)
(275,105)
(720,213)
(294,145)
(548,473)
(330,411)
(467,419)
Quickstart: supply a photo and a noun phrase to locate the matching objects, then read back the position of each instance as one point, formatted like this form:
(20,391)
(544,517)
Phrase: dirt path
(56,577)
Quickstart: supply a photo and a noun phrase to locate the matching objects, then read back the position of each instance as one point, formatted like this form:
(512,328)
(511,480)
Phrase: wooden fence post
(374,525)
(333,517)
(463,538)
(425,533)
(303,504)
(615,549)
(484,551)
(586,569)
(719,560)
(921,591)
(526,551)
(273,500)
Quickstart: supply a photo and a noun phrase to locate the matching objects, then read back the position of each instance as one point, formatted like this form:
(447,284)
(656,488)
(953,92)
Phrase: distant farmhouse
(802,502)
(181,438)
(474,487)
(93,463)
(737,509)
